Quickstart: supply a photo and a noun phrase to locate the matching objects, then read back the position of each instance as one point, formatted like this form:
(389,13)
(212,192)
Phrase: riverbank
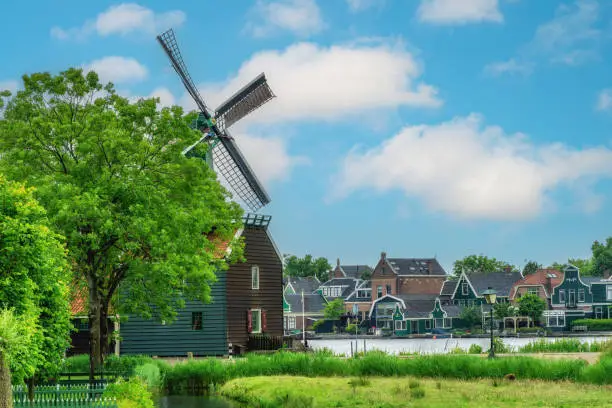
(283,391)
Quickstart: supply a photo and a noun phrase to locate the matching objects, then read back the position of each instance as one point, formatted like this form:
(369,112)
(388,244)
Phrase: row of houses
(406,296)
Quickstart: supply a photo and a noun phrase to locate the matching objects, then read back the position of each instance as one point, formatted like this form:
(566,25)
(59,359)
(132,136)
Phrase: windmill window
(256,321)
(255,277)
(196,321)
(580,295)
(464,288)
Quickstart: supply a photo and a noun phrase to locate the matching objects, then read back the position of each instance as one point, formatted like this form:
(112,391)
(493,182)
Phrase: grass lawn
(322,392)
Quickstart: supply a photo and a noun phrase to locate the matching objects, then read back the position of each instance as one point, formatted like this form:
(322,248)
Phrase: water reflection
(179,401)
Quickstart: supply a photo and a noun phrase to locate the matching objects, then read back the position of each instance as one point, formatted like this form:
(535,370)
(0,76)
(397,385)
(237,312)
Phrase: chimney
(507,269)
(383,256)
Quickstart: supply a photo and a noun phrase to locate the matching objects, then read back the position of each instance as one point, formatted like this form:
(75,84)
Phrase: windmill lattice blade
(230,162)
(245,101)
(170,46)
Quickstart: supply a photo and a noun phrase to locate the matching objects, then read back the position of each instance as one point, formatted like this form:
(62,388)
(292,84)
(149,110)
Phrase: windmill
(223,150)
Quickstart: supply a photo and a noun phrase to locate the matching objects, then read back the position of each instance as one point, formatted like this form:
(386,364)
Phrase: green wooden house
(405,315)
(578,297)
(467,289)
(247,305)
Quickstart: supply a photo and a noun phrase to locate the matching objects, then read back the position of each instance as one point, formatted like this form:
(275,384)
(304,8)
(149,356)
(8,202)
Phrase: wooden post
(351,349)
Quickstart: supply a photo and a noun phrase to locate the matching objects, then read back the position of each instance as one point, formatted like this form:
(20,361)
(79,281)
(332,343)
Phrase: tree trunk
(104,338)
(94,329)
(31,384)
(6,392)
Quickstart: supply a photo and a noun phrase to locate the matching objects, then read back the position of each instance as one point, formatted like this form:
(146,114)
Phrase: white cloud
(118,69)
(511,66)
(268,156)
(166,98)
(9,86)
(316,82)
(301,17)
(472,171)
(571,36)
(361,5)
(453,12)
(122,19)
(604,100)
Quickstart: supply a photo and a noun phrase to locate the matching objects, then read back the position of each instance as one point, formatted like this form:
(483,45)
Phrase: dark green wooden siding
(150,337)
(599,292)
(572,282)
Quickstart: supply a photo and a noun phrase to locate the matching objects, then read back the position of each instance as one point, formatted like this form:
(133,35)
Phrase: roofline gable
(464,275)
(386,296)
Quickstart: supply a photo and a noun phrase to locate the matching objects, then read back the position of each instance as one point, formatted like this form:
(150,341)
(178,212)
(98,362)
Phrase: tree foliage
(585,266)
(532,306)
(34,275)
(531,267)
(334,309)
(602,257)
(471,316)
(137,214)
(503,310)
(479,263)
(307,266)
(15,339)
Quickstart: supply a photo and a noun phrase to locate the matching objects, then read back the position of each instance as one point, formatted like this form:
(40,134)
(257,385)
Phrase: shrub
(130,394)
(475,349)
(594,324)
(350,329)
(500,346)
(150,374)
(417,393)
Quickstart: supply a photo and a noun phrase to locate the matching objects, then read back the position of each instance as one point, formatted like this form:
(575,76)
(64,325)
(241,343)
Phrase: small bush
(500,346)
(350,329)
(417,393)
(150,374)
(130,394)
(458,350)
(475,349)
(413,384)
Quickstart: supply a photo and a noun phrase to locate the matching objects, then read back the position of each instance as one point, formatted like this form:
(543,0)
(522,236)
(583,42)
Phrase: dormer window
(464,288)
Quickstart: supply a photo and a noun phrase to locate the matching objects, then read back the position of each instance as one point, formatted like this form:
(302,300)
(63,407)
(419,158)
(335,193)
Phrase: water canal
(428,346)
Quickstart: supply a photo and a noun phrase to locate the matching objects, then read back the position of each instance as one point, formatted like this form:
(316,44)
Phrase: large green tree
(471,316)
(307,266)
(531,267)
(34,276)
(479,263)
(334,309)
(140,218)
(532,306)
(602,257)
(585,265)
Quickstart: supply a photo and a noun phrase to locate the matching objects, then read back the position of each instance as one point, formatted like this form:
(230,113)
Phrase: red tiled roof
(78,301)
(538,278)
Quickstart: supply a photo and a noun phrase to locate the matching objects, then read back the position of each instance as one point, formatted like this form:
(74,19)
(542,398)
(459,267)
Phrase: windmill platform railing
(256,220)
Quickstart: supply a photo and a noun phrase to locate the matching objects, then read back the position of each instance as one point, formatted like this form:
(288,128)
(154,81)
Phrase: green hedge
(594,324)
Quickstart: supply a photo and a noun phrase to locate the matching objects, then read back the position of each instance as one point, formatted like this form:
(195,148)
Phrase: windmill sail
(227,157)
(252,96)
(169,44)
(230,162)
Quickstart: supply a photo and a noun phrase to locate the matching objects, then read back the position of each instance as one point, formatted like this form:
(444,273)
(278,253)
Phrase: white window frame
(439,320)
(255,274)
(448,323)
(533,291)
(465,290)
(398,325)
(561,295)
(291,322)
(581,296)
(379,291)
(555,318)
(609,292)
(598,312)
(255,312)
(428,324)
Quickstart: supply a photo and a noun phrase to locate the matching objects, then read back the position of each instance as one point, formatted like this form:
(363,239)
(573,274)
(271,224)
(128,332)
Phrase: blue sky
(421,128)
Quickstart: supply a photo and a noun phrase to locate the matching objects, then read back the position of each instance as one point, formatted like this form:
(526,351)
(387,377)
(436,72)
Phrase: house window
(561,296)
(464,288)
(196,321)
(389,290)
(580,295)
(379,291)
(571,297)
(399,325)
(291,322)
(255,277)
(598,312)
(256,321)
(448,323)
(438,323)
(533,291)
(427,324)
(609,292)
(555,319)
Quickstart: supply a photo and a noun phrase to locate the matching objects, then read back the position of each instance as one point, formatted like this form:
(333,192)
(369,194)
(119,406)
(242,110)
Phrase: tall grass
(565,346)
(199,374)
